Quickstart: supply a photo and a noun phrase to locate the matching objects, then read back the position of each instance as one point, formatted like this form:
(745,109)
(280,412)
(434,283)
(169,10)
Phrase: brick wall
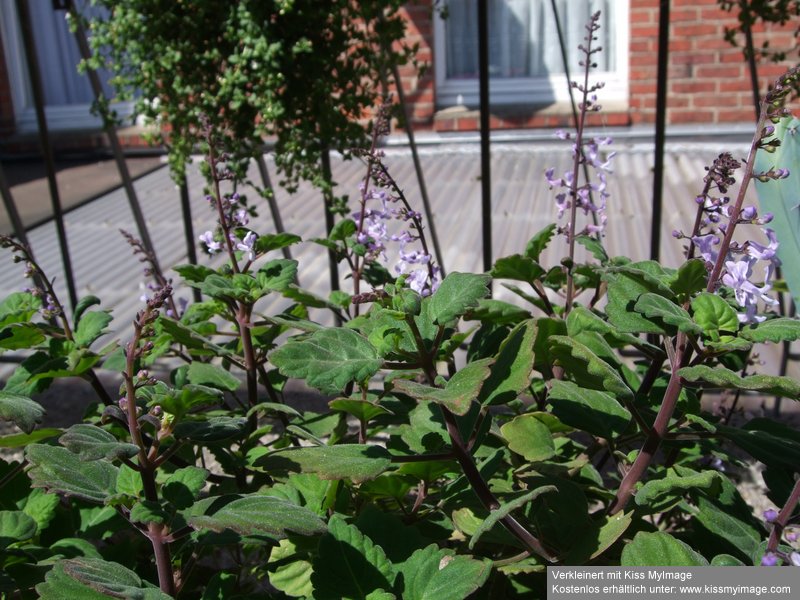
(709,81)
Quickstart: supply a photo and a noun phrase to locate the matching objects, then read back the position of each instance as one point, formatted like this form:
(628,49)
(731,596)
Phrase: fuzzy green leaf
(537,244)
(528,436)
(652,305)
(598,538)
(256,514)
(596,412)
(15,526)
(23,412)
(675,486)
(354,462)
(90,442)
(713,314)
(625,285)
(349,566)
(211,430)
(459,391)
(277,275)
(506,508)
(328,359)
(589,370)
(435,574)
(91,326)
(206,374)
(20,440)
(690,279)
(517,268)
(363,410)
(777,330)
(511,371)
(661,550)
(57,469)
(498,312)
(275,241)
(458,293)
(292,575)
(20,336)
(92,578)
(18,307)
(723,378)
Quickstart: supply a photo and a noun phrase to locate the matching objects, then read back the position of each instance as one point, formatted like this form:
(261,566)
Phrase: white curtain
(523,40)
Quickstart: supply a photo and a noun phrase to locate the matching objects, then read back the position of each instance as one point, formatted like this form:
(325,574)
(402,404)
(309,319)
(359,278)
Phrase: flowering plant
(465,442)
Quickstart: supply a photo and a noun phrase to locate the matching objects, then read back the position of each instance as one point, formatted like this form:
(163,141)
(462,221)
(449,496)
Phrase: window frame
(537,91)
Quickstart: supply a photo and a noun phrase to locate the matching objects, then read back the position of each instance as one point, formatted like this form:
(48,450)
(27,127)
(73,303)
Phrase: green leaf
(91,326)
(625,285)
(355,462)
(363,410)
(148,512)
(652,305)
(181,334)
(498,312)
(596,412)
(598,538)
(212,429)
(528,436)
(292,575)
(511,371)
(777,330)
(22,411)
(713,314)
(83,304)
(194,273)
(348,565)
(505,509)
(15,526)
(723,378)
(459,391)
(88,578)
(90,442)
(328,359)
(206,374)
(721,519)
(41,507)
(779,197)
(183,486)
(726,560)
(21,336)
(275,241)
(256,514)
(457,293)
(343,229)
(581,320)
(277,275)
(690,279)
(765,446)
(435,574)
(518,268)
(181,401)
(18,307)
(659,550)
(594,247)
(587,368)
(537,244)
(59,470)
(673,485)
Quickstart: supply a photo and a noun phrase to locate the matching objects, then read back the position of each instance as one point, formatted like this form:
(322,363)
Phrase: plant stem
(783,517)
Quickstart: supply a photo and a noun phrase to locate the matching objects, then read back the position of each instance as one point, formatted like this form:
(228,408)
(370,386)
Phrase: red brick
(692,86)
(694,29)
(718,71)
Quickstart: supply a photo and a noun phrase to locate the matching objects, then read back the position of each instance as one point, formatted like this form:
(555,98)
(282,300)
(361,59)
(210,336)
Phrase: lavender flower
(247,245)
(737,276)
(794,557)
(770,515)
(769,560)
(212,245)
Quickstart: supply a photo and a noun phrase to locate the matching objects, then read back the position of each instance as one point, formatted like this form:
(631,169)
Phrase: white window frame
(537,91)
(59,117)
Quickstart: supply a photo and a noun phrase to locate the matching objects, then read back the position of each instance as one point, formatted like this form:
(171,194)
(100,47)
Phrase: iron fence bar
(270,197)
(486,169)
(44,141)
(661,116)
(188,229)
(11,209)
(113,139)
(423,189)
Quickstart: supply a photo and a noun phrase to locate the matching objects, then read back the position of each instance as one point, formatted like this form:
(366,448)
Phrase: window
(525,61)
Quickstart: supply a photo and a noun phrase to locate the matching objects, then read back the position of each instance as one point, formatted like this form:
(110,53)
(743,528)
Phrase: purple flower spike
(770,515)
(769,560)
(246,245)
(212,245)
